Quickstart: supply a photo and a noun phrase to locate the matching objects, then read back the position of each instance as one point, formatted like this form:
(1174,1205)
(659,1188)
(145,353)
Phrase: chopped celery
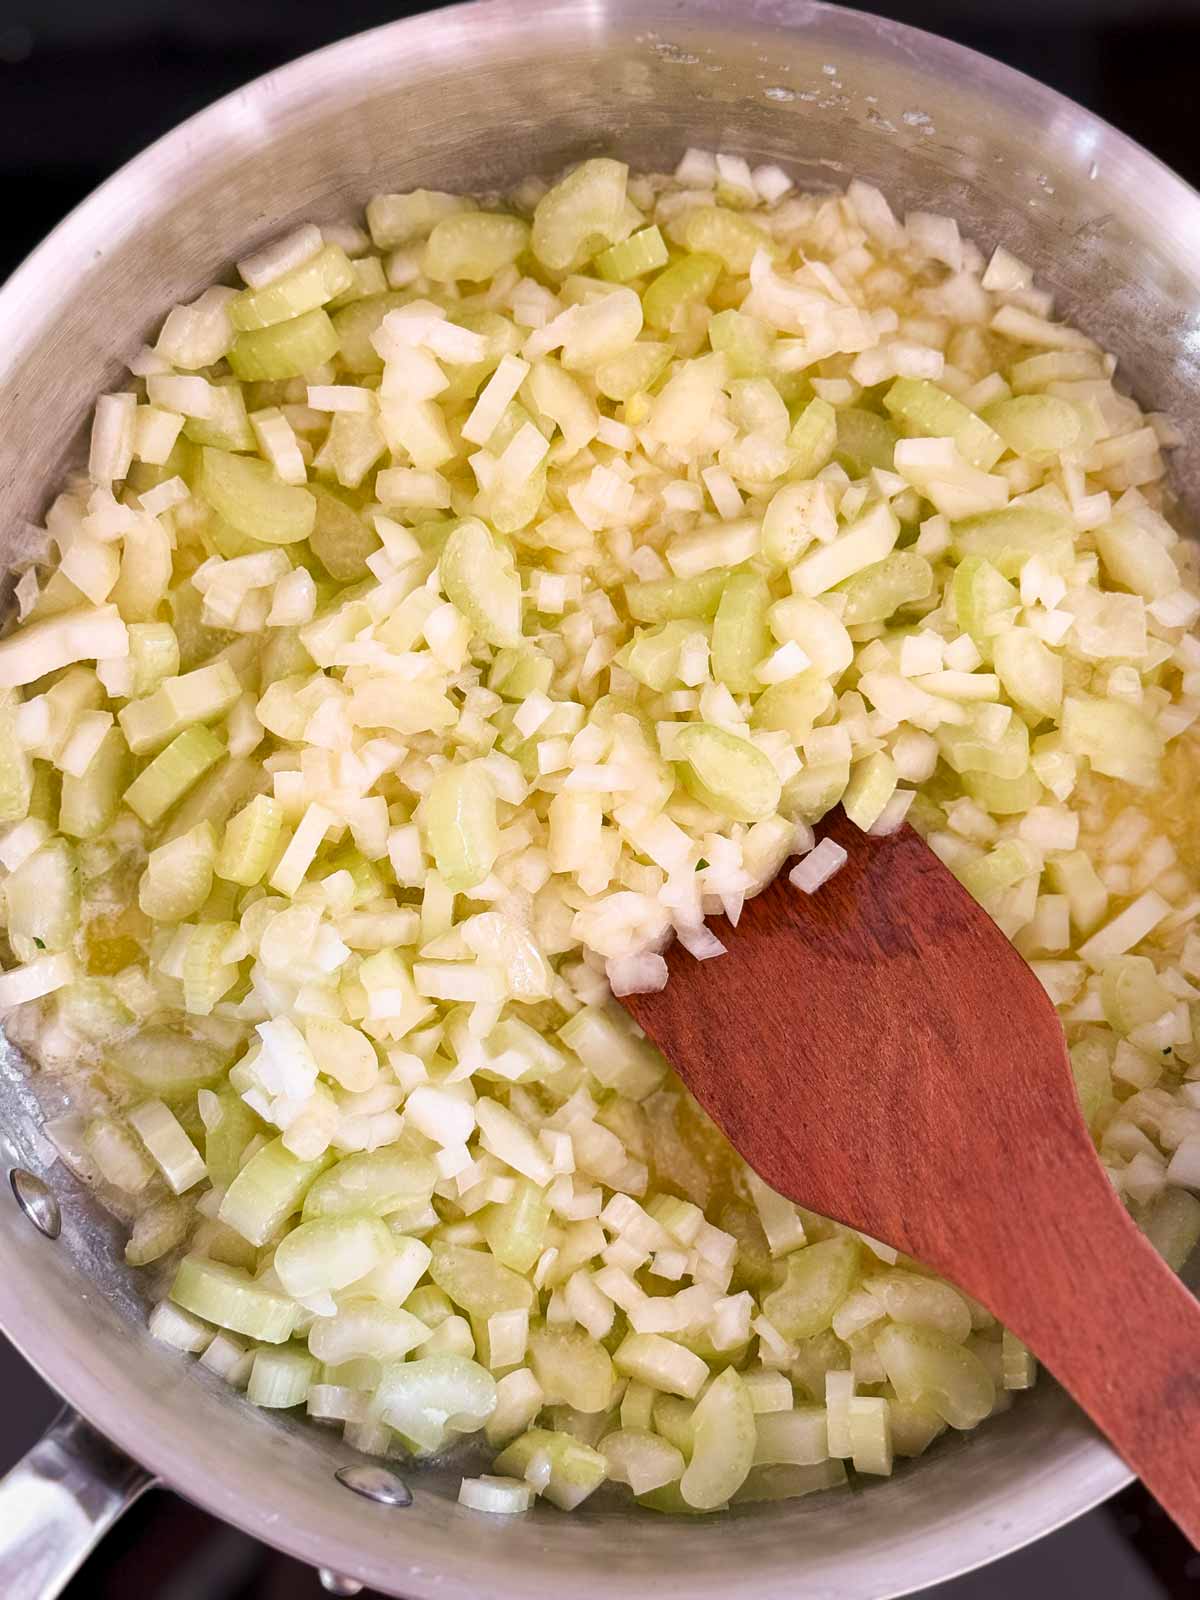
(684,283)
(740,636)
(474,245)
(330,1254)
(1118,739)
(268,1190)
(927,1366)
(207,974)
(872,784)
(633,371)
(575,1470)
(1011,537)
(875,592)
(459,819)
(313,283)
(1033,424)
(229,1126)
(379,1181)
(178,875)
(287,349)
(727,773)
(233,1299)
(818,1278)
(166,779)
(16,769)
(733,238)
(613,1051)
(251,842)
(724,1437)
(199,696)
(1031,673)
(864,440)
(652,655)
(984,601)
(644,251)
(167,1063)
(580,214)
(814,437)
(280,1379)
(921,407)
(479,578)
(477,1281)
(516,1229)
(746,344)
(250,497)
(669,599)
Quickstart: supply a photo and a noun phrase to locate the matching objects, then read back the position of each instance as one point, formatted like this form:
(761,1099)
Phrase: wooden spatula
(879,1053)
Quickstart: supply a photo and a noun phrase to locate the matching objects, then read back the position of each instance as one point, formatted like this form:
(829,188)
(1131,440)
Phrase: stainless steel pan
(472,98)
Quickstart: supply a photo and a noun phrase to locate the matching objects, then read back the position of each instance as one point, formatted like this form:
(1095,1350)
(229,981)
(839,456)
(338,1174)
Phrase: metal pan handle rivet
(37,1200)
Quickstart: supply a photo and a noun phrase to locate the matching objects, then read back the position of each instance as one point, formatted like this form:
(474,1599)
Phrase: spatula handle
(1092,1298)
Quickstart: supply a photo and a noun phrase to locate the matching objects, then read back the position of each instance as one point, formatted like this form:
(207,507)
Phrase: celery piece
(233,1299)
(166,1063)
(207,976)
(41,900)
(314,282)
(357,323)
(1003,866)
(580,215)
(229,426)
(669,599)
(1118,739)
(217,795)
(379,1181)
(1172,1225)
(643,251)
(865,440)
(395,219)
(613,1051)
(983,601)
(1008,538)
(1004,797)
(965,749)
(474,245)
(153,655)
(1032,674)
(288,349)
(268,1190)
(251,842)
(88,804)
(16,767)
(875,592)
(814,437)
(867,540)
(734,239)
(178,703)
(1032,424)
(280,1379)
(576,1470)
(745,342)
(724,1439)
(178,876)
(459,819)
(652,655)
(252,499)
(633,371)
(228,1130)
(330,1253)
(661,1363)
(573,1368)
(924,1365)
(167,778)
(477,1281)
(872,784)
(727,773)
(92,1009)
(515,1230)
(793,706)
(518,673)
(478,577)
(684,283)
(817,1279)
(430,1396)
(740,636)
(922,408)
(340,539)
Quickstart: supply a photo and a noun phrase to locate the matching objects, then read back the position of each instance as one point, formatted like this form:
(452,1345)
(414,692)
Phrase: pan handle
(58,1502)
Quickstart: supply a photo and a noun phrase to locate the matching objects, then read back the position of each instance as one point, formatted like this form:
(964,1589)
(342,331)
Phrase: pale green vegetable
(572,1368)
(314,283)
(478,577)
(723,1435)
(280,1379)
(286,349)
(818,1278)
(740,638)
(267,1191)
(432,1396)
(232,1299)
(330,1254)
(926,1366)
(252,499)
(163,783)
(460,824)
(580,214)
(921,407)
(644,251)
(728,773)
(575,1470)
(474,245)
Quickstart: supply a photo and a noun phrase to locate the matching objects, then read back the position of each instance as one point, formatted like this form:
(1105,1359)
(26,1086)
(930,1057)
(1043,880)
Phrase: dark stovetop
(82,88)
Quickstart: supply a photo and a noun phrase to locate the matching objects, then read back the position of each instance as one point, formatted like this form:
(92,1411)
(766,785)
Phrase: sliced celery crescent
(464,608)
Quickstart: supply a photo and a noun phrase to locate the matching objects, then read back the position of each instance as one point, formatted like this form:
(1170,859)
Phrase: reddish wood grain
(880,1053)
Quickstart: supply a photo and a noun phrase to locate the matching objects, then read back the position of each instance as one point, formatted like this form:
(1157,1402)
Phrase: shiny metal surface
(59,1502)
(471,98)
(37,1200)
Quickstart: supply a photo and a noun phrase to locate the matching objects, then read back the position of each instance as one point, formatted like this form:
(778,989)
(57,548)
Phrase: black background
(84,85)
